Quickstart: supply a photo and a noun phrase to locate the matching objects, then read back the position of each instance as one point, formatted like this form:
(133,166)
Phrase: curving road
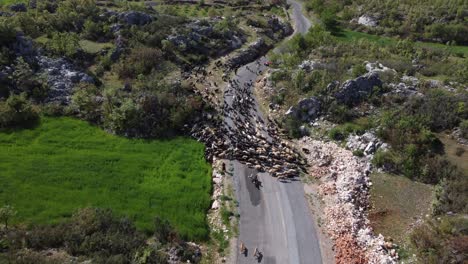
(274,218)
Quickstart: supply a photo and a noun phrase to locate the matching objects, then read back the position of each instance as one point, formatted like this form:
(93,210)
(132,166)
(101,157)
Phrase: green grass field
(64,164)
(350,35)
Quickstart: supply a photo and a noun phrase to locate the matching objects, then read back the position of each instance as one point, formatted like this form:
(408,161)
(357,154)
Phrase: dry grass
(396,203)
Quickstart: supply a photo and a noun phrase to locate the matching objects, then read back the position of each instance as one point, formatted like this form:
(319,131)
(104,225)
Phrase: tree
(64,44)
(6,213)
(330,21)
(17,111)
(85,102)
(163,230)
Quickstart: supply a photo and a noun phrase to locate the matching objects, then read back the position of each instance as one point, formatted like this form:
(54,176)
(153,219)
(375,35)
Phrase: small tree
(6,213)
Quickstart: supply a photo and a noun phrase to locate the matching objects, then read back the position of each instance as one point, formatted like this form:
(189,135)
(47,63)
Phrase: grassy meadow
(347,35)
(64,164)
(396,204)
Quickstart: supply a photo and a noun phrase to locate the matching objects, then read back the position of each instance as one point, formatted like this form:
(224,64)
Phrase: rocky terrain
(344,189)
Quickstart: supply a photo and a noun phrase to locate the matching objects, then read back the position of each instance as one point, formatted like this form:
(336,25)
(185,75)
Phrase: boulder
(277,26)
(368,21)
(306,110)
(310,65)
(368,143)
(215,205)
(23,47)
(5,14)
(249,54)
(135,18)
(32,4)
(119,48)
(354,91)
(404,90)
(410,80)
(19,7)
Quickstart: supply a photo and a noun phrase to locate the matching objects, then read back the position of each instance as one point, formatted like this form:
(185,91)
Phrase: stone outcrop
(278,29)
(307,110)
(404,90)
(354,91)
(368,143)
(135,18)
(23,47)
(19,7)
(368,21)
(249,54)
(310,65)
(193,38)
(61,78)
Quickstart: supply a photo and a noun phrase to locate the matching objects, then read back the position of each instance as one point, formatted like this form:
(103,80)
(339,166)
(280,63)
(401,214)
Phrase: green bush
(17,111)
(64,44)
(358,70)
(464,128)
(86,104)
(7,32)
(358,153)
(385,159)
(339,113)
(140,61)
(336,134)
(291,125)
(440,241)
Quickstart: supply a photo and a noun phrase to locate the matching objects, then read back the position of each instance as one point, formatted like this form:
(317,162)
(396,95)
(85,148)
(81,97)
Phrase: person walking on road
(243,249)
(258,255)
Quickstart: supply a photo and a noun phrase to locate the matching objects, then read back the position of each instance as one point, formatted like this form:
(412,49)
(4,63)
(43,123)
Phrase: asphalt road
(274,218)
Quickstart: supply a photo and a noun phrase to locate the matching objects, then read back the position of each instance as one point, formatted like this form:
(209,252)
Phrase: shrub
(440,241)
(95,233)
(64,44)
(336,134)
(292,125)
(27,81)
(85,102)
(358,70)
(17,111)
(358,153)
(386,160)
(92,30)
(464,128)
(7,33)
(451,193)
(163,230)
(140,61)
(339,113)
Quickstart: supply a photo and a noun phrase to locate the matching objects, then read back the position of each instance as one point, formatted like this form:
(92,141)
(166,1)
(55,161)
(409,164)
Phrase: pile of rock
(368,143)
(345,191)
(457,134)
